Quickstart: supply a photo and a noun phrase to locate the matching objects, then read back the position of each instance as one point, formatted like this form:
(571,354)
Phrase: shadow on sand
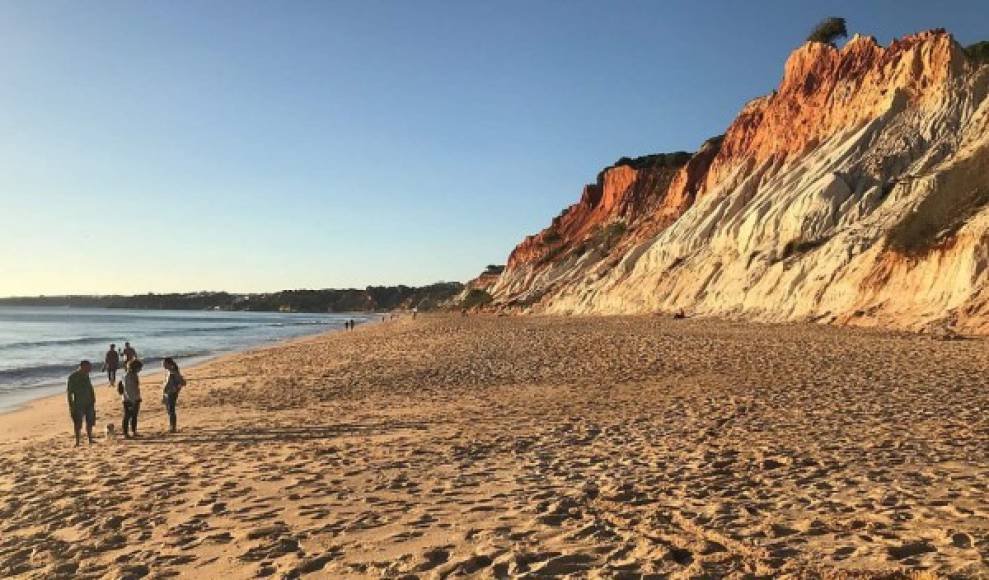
(274,434)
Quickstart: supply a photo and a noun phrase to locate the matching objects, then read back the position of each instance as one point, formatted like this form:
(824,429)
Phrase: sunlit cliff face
(857,193)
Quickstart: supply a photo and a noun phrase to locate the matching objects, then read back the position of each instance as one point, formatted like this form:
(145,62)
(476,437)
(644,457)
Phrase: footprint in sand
(433,558)
(910,550)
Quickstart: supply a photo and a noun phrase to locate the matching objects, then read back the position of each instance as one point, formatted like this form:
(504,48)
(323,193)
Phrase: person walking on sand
(129,353)
(170,392)
(111,362)
(82,400)
(130,395)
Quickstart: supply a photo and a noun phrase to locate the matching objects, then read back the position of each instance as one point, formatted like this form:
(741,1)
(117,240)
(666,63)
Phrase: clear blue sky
(175,145)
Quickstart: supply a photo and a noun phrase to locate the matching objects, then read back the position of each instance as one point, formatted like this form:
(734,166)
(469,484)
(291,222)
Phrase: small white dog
(111,432)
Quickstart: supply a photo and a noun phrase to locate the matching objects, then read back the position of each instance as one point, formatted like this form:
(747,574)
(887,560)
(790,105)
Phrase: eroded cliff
(855,193)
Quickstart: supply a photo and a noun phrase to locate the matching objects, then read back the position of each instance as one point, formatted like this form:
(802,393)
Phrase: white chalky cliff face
(857,193)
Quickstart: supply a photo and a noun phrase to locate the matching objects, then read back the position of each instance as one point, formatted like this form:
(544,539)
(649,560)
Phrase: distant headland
(370,299)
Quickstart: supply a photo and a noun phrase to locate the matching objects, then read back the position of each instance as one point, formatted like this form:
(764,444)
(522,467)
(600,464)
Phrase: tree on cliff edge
(979,52)
(828,31)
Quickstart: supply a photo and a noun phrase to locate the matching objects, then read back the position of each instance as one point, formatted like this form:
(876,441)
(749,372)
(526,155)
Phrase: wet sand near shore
(606,447)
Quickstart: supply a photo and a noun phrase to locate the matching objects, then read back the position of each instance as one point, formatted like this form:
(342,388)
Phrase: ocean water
(40,346)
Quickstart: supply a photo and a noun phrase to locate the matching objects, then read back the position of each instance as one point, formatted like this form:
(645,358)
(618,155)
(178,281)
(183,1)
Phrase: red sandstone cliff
(860,174)
(622,194)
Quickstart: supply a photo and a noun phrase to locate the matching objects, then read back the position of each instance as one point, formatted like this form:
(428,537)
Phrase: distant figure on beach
(129,353)
(415,311)
(82,400)
(111,362)
(131,396)
(351,323)
(170,392)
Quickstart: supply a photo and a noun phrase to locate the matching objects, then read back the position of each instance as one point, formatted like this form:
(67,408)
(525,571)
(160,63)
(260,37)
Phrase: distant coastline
(370,299)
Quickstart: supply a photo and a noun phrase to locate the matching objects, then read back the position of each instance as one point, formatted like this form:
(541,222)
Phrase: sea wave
(38,354)
(19,377)
(56,342)
(22,375)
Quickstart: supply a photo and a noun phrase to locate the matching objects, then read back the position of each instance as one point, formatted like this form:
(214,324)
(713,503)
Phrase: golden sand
(489,446)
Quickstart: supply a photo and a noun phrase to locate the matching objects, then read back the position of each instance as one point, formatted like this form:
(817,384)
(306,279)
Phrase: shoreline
(44,405)
(25,396)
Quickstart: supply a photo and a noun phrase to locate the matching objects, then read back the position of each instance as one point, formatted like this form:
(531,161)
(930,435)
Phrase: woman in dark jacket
(130,394)
(170,391)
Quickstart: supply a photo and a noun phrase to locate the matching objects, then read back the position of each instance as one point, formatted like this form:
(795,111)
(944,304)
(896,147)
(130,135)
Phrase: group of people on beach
(82,395)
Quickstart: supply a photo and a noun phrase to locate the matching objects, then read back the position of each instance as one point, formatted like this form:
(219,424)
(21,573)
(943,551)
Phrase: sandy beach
(601,447)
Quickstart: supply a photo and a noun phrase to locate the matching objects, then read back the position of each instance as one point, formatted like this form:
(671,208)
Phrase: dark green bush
(614,230)
(979,52)
(828,31)
(673,160)
(605,237)
(476,297)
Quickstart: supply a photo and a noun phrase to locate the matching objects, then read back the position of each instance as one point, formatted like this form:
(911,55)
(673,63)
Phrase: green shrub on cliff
(614,230)
(979,52)
(605,237)
(828,31)
(673,160)
(476,297)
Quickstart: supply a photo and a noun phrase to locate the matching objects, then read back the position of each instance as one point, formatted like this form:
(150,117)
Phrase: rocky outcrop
(624,193)
(486,280)
(855,193)
(628,201)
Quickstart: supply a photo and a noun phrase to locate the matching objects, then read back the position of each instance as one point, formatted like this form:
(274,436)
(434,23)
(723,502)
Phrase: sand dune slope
(618,447)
